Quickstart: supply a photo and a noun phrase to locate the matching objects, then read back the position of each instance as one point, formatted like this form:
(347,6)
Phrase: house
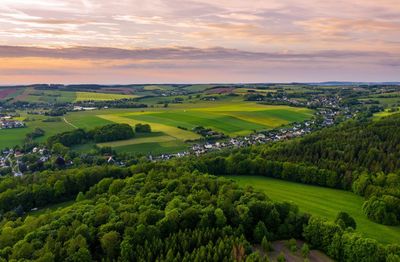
(8,124)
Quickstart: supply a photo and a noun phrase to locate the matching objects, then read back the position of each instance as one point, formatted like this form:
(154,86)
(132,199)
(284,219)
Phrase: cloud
(174,53)
(208,37)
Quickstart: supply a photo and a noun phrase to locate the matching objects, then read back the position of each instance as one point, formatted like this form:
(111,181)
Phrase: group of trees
(346,245)
(49,187)
(57,111)
(162,214)
(366,160)
(142,128)
(353,146)
(111,132)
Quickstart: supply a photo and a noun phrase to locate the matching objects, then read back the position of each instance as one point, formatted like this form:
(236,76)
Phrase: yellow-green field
(172,126)
(92,96)
(387,112)
(232,118)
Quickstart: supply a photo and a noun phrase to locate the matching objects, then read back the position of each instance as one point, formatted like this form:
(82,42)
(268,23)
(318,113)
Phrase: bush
(344,220)
(305,250)
(143,128)
(281,257)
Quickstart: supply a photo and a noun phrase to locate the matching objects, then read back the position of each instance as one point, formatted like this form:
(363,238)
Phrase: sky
(198,41)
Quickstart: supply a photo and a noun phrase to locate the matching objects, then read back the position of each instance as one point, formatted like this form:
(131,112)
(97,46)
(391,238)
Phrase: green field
(240,118)
(324,202)
(92,96)
(55,96)
(45,96)
(153,143)
(230,115)
(12,137)
(51,208)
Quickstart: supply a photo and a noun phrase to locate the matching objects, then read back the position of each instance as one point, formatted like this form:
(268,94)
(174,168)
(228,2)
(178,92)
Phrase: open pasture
(232,119)
(173,146)
(156,127)
(93,96)
(56,96)
(169,124)
(45,96)
(324,202)
(16,136)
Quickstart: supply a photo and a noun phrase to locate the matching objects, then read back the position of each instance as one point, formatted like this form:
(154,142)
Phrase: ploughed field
(320,201)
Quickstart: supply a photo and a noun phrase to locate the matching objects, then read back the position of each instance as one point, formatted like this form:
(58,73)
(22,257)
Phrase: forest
(361,156)
(162,212)
(184,210)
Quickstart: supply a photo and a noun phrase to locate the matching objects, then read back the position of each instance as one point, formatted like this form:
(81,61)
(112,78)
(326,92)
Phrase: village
(7,122)
(324,117)
(328,113)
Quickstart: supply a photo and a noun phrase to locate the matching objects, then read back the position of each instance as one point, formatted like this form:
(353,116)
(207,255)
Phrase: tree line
(161,211)
(362,157)
(111,132)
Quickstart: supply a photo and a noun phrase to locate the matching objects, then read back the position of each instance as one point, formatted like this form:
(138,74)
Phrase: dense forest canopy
(158,212)
(111,132)
(360,156)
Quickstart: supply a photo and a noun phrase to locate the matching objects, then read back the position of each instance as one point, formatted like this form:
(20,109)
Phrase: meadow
(94,96)
(16,136)
(324,202)
(231,118)
(45,96)
(172,125)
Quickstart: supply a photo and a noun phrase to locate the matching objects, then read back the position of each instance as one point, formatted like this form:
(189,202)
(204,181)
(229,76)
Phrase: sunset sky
(198,41)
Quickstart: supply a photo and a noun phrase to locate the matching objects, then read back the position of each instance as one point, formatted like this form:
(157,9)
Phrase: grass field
(92,96)
(230,115)
(152,143)
(385,113)
(323,202)
(12,137)
(51,208)
(173,146)
(55,96)
(45,96)
(239,118)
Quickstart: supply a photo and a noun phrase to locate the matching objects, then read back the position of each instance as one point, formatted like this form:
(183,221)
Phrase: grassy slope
(12,137)
(384,114)
(157,127)
(157,138)
(84,96)
(324,202)
(45,96)
(230,117)
(86,120)
(172,146)
(225,123)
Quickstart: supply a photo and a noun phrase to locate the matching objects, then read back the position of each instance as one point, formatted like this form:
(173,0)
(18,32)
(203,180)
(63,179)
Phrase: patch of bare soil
(280,246)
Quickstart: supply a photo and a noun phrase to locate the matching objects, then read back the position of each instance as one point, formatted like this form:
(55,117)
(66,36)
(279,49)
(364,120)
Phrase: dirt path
(68,123)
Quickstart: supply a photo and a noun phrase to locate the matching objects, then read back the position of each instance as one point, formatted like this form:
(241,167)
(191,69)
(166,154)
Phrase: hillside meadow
(320,201)
(172,126)
(240,118)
